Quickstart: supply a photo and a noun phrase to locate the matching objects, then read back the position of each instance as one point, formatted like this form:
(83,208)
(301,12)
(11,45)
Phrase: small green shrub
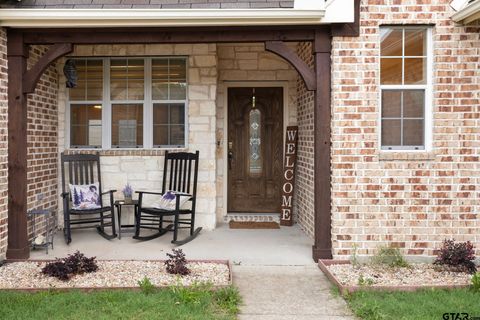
(389,256)
(228,299)
(362,281)
(476,282)
(354,257)
(146,286)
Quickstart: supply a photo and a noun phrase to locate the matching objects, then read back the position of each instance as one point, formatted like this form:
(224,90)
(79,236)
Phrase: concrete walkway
(287,293)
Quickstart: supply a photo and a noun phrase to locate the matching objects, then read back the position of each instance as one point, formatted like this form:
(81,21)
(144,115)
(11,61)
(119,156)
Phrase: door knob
(230,159)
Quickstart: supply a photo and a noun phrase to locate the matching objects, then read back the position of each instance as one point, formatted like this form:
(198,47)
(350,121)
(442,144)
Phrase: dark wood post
(17,53)
(322,48)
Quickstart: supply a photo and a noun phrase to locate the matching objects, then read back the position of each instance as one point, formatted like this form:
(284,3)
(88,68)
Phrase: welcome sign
(286,218)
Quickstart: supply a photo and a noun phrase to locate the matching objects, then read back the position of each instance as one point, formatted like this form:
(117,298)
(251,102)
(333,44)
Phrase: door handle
(230,159)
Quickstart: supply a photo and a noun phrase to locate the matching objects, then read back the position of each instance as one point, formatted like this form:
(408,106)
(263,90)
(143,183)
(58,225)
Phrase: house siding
(3,143)
(412,201)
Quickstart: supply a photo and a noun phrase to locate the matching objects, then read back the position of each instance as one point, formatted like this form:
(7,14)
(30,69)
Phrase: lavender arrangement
(128,192)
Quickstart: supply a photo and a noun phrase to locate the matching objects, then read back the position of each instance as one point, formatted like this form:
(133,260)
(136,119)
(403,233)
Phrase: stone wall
(3,143)
(410,200)
(143,168)
(305,180)
(42,142)
(250,65)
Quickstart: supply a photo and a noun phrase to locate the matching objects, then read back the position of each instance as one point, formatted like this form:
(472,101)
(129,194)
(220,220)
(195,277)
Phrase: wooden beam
(168,35)
(17,53)
(32,76)
(322,48)
(349,29)
(281,49)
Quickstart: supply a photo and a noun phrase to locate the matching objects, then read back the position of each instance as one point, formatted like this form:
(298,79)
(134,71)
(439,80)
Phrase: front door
(255,132)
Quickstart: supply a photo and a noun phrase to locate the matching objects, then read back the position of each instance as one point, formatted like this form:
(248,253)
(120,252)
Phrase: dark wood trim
(32,76)
(282,50)
(17,52)
(349,29)
(322,48)
(169,35)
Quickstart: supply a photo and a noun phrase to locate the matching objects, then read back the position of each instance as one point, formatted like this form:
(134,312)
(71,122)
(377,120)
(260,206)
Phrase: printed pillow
(86,196)
(168,201)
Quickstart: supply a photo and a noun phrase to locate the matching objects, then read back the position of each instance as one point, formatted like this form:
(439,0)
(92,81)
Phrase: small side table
(118,205)
(49,219)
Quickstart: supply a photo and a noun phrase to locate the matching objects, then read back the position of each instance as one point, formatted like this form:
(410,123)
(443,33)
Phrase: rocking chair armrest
(149,192)
(107,192)
(182,194)
(64,195)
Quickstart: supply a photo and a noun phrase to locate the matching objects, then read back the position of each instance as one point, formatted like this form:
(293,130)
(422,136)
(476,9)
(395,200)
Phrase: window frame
(147,107)
(427,87)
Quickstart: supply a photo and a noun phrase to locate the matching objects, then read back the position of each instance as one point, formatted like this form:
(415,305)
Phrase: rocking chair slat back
(178,171)
(80,169)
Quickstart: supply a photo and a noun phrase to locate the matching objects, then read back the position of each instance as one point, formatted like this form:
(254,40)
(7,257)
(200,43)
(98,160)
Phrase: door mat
(253,225)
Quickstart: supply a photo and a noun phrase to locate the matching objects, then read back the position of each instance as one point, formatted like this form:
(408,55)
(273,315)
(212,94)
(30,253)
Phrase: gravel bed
(415,275)
(19,275)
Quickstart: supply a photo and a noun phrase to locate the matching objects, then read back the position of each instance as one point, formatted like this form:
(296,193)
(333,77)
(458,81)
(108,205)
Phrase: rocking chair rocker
(181,171)
(84,169)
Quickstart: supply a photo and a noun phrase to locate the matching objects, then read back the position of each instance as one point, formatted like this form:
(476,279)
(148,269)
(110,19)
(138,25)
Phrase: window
(405,88)
(128,103)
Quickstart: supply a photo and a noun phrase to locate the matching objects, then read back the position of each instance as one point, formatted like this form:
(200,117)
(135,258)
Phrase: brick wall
(3,143)
(143,169)
(412,201)
(42,141)
(305,193)
(251,65)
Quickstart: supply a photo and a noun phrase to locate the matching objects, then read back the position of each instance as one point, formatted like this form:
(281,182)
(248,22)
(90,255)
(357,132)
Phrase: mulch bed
(349,278)
(115,274)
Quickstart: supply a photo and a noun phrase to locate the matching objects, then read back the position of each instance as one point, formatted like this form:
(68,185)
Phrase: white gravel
(415,275)
(19,275)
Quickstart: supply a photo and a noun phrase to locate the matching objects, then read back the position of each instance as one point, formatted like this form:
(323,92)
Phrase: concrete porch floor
(285,246)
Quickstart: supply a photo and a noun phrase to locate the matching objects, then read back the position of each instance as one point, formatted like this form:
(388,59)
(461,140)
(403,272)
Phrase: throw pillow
(169,199)
(85,196)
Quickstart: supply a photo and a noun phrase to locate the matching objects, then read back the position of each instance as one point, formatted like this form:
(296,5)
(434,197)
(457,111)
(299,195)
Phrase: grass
(425,304)
(197,303)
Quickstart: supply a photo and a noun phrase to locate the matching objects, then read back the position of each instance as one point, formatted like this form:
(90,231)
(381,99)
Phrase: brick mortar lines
(414,204)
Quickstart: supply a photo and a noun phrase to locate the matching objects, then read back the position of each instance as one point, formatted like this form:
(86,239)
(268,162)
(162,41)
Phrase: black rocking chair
(181,171)
(82,169)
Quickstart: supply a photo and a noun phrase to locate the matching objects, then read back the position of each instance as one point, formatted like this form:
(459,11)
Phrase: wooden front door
(255,133)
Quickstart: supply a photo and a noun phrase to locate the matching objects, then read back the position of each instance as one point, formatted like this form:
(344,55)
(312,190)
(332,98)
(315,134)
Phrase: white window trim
(147,107)
(428,87)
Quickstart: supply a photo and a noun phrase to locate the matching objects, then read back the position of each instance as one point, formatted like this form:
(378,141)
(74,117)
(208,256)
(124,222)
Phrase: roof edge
(51,18)
(468,14)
